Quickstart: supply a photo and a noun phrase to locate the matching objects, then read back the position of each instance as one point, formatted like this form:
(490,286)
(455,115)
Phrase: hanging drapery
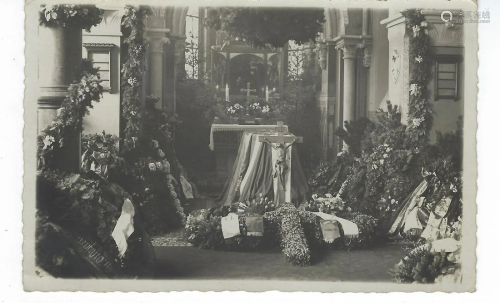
(253,173)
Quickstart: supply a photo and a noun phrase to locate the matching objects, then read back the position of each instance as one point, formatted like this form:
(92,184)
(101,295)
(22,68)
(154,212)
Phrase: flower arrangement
(236,110)
(293,240)
(100,154)
(329,176)
(71,16)
(150,181)
(297,231)
(150,176)
(70,116)
(253,107)
(328,204)
(203,230)
(89,206)
(368,232)
(258,206)
(420,266)
(259,109)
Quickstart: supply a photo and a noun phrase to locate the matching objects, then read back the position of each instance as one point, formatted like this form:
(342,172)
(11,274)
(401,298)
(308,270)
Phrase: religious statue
(280,167)
(278,142)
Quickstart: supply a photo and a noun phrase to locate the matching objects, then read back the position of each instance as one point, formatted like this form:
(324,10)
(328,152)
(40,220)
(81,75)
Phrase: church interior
(179,134)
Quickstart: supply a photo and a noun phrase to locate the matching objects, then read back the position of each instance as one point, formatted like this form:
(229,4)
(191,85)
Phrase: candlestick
(267,93)
(227,92)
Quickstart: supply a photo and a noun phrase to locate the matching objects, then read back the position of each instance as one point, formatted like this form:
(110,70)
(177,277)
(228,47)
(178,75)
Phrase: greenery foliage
(132,70)
(148,137)
(297,231)
(387,159)
(420,113)
(259,26)
(85,205)
(196,109)
(71,16)
(52,139)
(420,266)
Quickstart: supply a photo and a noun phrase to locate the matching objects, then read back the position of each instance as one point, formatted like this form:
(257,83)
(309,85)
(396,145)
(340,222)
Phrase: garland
(132,70)
(420,113)
(70,116)
(71,16)
(147,132)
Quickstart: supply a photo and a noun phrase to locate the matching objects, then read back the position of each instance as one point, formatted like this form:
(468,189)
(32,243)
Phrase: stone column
(59,64)
(157,39)
(327,97)
(179,60)
(349,46)
(349,102)
(174,56)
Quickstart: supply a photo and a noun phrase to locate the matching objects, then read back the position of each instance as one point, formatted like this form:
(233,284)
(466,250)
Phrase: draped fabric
(253,171)
(231,189)
(406,216)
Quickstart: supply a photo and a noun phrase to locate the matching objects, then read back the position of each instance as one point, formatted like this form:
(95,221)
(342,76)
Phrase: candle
(267,93)
(227,92)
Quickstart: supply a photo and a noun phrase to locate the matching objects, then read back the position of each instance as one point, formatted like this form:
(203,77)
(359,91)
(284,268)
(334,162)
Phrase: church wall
(106,114)
(448,43)
(379,71)
(354,21)
(397,57)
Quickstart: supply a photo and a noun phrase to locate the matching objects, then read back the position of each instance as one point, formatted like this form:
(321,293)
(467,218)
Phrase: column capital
(157,38)
(349,44)
(322,53)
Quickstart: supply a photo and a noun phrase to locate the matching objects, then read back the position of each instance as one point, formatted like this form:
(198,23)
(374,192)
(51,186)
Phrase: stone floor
(177,259)
(370,265)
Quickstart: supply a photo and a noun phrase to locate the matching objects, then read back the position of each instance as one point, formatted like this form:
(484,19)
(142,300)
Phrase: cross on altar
(248,91)
(278,142)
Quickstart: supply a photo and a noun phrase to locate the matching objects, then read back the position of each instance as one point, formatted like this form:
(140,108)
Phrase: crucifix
(279,142)
(248,91)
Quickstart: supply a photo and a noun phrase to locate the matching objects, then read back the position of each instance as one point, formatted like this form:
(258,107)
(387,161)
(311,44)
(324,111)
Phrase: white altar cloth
(241,128)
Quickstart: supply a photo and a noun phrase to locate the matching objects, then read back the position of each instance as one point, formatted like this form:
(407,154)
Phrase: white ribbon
(124,227)
(350,228)
(230,226)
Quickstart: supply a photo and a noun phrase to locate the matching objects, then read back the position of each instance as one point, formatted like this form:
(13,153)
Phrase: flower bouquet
(259,109)
(328,204)
(259,206)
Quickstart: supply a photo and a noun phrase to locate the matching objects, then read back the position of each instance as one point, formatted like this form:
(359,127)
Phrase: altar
(264,162)
(225,140)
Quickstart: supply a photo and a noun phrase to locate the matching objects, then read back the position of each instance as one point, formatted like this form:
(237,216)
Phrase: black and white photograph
(251,146)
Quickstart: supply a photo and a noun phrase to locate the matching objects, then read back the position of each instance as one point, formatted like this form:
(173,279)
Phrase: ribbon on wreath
(124,227)
(230,225)
(350,229)
(436,226)
(330,230)
(255,226)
